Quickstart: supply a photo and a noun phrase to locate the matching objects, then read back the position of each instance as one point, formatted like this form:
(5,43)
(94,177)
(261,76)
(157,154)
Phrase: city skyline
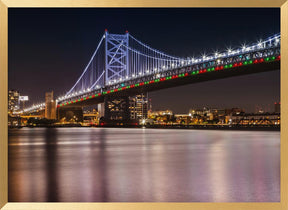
(59,48)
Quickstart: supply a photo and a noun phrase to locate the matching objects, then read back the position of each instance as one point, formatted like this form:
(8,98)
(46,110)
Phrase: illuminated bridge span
(122,65)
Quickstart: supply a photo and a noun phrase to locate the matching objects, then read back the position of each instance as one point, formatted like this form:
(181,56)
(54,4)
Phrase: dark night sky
(49,48)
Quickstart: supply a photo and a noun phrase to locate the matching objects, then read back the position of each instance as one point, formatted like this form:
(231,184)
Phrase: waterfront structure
(91,117)
(206,116)
(13,101)
(50,106)
(256,119)
(162,117)
(210,115)
(183,118)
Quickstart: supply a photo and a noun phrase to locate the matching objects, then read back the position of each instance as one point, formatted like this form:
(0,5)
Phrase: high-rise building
(277,107)
(50,106)
(138,106)
(13,101)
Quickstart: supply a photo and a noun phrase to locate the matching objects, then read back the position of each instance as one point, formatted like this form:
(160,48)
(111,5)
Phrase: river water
(143,165)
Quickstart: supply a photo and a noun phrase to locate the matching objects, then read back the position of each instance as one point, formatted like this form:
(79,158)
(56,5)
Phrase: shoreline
(188,127)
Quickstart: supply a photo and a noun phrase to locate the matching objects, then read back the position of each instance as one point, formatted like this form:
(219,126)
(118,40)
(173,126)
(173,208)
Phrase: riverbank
(202,127)
(196,127)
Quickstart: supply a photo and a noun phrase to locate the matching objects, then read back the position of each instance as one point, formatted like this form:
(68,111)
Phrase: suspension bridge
(123,66)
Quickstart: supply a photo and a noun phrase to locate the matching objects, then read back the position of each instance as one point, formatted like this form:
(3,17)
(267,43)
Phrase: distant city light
(23,98)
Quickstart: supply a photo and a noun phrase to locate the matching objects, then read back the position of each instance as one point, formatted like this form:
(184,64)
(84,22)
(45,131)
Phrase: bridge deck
(176,80)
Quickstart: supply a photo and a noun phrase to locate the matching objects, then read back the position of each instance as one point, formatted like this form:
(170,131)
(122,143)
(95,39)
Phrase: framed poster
(197,165)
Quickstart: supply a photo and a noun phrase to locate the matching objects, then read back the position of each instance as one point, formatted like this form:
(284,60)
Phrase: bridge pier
(101,110)
(116,108)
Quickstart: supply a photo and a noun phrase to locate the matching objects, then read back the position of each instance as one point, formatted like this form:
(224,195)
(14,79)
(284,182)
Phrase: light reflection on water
(143,165)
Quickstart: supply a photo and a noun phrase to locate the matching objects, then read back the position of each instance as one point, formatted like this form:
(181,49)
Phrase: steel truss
(116,56)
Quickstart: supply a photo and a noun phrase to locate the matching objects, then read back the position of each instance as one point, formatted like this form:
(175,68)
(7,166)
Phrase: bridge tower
(116,56)
(116,68)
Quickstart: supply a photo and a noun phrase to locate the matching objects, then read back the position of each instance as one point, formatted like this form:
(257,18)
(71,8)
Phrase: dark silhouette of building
(50,106)
(277,107)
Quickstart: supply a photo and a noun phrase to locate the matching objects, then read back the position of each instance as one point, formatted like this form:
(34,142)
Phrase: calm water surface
(143,165)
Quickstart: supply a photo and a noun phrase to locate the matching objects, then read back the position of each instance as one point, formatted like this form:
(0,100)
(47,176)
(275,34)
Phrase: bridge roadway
(178,77)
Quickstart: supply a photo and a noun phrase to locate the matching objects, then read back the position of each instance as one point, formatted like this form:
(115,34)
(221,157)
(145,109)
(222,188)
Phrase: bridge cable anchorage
(86,68)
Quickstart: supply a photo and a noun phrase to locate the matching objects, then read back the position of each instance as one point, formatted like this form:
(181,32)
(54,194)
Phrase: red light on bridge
(261,60)
(106,30)
(58,105)
(99,94)
(278,57)
(126,31)
(221,67)
(240,64)
(255,61)
(186,74)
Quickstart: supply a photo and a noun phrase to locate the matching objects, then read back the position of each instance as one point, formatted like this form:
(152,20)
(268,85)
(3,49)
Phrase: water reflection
(143,165)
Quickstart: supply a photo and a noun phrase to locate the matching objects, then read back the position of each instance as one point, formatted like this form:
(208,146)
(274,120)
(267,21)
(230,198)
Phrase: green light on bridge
(169,77)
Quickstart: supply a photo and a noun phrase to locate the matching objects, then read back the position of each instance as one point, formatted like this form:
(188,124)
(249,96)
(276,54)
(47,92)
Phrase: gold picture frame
(5,4)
